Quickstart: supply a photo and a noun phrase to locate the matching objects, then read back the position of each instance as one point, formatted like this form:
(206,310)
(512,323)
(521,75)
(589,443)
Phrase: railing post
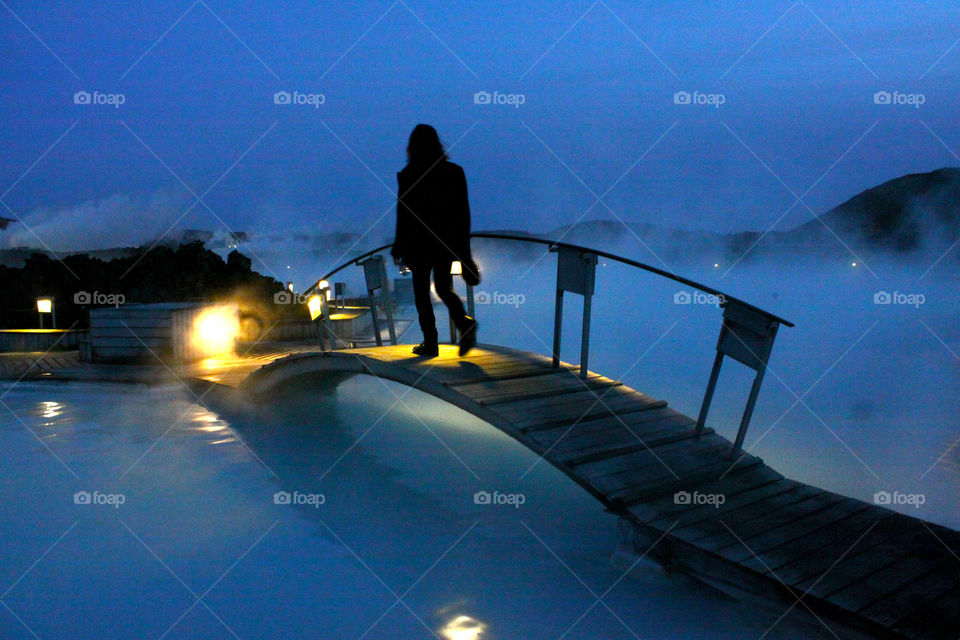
(585,335)
(746,336)
(385,298)
(557,326)
(576,272)
(708,396)
(375,274)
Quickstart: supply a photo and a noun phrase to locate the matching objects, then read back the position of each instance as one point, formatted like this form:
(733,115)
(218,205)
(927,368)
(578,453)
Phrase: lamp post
(45,305)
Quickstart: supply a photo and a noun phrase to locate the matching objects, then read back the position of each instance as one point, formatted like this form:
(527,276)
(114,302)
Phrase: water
(860,398)
(398,547)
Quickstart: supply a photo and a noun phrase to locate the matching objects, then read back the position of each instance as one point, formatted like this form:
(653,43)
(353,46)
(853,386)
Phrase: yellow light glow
(44,305)
(456,269)
(313,304)
(214,331)
(463,628)
(289,285)
(853,264)
(323,284)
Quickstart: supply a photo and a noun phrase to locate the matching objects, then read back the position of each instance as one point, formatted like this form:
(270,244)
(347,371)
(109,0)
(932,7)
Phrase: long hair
(424,147)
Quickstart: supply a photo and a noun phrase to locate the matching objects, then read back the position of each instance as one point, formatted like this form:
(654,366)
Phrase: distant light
(323,284)
(214,331)
(456,269)
(44,305)
(716,265)
(313,304)
(290,286)
(853,264)
(463,628)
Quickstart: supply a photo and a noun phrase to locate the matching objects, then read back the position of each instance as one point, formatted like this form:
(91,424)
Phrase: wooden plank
(817,551)
(492,392)
(892,578)
(936,620)
(583,407)
(621,456)
(603,419)
(913,596)
(631,488)
(760,487)
(857,566)
(464,374)
(715,533)
(709,448)
(833,516)
(576,448)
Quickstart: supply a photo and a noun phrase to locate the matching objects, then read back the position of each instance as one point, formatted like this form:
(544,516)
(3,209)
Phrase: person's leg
(443,283)
(421,297)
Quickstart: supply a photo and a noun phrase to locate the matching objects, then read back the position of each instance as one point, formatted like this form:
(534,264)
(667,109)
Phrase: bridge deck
(772,538)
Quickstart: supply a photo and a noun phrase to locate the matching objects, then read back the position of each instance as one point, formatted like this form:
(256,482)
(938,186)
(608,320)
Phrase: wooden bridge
(686,496)
(770,539)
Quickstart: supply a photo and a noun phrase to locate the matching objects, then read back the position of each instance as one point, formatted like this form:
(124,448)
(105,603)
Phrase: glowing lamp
(289,285)
(45,305)
(456,269)
(214,331)
(323,285)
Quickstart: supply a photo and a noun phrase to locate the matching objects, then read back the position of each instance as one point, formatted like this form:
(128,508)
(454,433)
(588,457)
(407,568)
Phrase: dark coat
(433,214)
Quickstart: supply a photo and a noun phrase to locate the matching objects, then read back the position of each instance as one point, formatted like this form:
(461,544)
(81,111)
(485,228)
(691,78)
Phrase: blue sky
(601,132)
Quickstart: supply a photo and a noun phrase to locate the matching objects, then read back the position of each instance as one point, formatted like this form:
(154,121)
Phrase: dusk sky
(788,123)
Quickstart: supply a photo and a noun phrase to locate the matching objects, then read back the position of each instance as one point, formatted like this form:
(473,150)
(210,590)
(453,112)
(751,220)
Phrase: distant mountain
(914,213)
(906,214)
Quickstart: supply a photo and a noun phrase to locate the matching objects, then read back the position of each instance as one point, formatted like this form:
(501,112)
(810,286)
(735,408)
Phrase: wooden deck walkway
(772,539)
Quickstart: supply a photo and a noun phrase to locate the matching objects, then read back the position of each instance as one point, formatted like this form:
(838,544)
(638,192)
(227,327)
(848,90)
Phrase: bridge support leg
(385,296)
(376,323)
(585,337)
(748,412)
(708,396)
(557,326)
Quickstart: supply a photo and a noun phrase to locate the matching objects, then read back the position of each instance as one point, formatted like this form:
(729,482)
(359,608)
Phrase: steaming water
(398,520)
(199,546)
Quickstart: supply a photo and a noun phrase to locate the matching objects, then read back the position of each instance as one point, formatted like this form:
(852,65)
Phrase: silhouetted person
(433,230)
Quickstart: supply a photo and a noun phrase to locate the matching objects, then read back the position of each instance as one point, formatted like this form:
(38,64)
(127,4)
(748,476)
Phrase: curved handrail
(554,244)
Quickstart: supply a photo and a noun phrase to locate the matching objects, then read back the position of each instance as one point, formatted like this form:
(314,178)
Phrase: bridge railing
(747,332)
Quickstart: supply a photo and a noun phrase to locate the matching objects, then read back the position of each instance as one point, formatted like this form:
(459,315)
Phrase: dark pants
(443,283)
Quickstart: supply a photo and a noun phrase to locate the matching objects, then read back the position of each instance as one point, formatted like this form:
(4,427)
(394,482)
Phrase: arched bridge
(687,496)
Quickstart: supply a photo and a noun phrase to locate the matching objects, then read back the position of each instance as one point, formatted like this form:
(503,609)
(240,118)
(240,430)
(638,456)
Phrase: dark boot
(427,350)
(468,336)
